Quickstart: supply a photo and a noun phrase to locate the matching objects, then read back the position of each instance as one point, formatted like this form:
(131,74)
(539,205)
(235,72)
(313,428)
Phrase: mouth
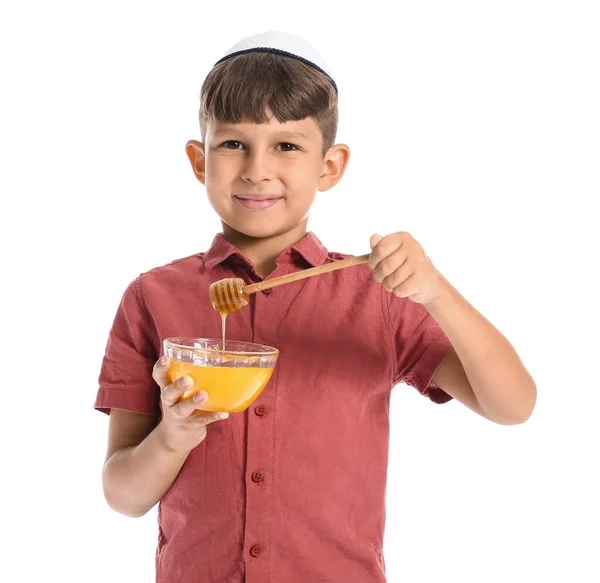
(258,201)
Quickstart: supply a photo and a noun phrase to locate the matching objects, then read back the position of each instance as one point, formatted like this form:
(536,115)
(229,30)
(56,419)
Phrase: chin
(255,231)
(260,229)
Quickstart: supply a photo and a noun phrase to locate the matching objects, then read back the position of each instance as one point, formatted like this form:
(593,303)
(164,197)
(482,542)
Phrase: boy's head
(273,72)
(268,121)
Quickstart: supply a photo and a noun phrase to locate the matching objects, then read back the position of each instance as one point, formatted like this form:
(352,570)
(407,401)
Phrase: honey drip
(223,319)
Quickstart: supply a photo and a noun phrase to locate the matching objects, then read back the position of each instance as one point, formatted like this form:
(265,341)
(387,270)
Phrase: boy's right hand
(183,427)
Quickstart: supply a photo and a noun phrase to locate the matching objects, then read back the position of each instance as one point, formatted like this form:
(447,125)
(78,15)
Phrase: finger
(397,277)
(207,417)
(159,372)
(186,407)
(385,247)
(390,264)
(374,240)
(171,393)
(406,288)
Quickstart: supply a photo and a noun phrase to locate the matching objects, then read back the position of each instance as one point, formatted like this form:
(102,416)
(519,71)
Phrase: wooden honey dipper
(231,294)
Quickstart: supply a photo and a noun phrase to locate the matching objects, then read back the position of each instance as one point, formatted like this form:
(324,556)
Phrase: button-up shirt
(292,489)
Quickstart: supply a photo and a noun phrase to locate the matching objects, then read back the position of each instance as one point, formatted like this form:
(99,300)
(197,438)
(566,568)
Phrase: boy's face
(262,179)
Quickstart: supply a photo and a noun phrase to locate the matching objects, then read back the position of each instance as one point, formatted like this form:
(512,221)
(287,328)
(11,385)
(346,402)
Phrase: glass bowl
(233,378)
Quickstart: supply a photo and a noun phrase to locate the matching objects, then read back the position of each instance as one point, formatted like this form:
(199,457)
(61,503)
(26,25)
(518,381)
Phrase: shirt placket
(260,454)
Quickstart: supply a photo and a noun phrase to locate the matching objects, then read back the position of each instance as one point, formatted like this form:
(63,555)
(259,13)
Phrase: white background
(473,125)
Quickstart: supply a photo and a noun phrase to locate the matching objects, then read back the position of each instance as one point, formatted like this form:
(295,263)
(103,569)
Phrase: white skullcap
(282,43)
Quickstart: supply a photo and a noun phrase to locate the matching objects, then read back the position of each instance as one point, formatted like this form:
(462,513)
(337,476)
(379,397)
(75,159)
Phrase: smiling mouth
(257,201)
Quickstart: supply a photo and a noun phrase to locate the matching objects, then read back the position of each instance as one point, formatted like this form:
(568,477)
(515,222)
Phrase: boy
(293,489)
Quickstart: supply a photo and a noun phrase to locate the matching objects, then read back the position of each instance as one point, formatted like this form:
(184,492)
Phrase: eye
(232,144)
(287,147)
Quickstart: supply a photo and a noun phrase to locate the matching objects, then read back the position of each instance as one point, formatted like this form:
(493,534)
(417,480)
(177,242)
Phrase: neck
(263,251)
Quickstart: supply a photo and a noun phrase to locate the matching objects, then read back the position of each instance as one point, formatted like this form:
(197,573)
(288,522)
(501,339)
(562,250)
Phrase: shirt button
(255,550)
(257,477)
(261,410)
(267,291)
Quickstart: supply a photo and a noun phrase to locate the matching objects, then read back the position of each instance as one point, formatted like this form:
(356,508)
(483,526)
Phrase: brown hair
(244,86)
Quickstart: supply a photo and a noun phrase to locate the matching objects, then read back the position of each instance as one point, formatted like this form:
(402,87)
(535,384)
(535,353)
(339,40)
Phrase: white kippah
(283,43)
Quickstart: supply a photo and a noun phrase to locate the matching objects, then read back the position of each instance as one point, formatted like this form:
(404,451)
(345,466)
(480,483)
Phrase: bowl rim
(174,342)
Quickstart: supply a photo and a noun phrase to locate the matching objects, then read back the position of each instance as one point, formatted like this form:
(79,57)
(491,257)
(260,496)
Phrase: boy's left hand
(399,263)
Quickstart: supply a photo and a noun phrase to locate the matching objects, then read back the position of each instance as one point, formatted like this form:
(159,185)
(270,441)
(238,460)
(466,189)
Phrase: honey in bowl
(233,378)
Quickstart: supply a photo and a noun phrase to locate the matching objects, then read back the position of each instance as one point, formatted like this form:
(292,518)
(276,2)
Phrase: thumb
(160,372)
(374,240)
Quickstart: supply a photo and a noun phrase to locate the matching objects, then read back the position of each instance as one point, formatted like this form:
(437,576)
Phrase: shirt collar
(311,249)
(308,248)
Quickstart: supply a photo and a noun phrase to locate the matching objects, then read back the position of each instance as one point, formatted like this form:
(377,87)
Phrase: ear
(334,165)
(195,153)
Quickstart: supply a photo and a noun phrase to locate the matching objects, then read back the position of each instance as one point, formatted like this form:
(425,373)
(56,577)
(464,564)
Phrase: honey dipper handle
(269,283)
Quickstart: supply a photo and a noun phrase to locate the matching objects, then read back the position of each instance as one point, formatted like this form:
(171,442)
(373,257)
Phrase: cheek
(223,166)
(217,189)
(218,178)
(303,177)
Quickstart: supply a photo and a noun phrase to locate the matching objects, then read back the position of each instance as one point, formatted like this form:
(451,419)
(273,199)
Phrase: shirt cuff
(111,398)
(422,373)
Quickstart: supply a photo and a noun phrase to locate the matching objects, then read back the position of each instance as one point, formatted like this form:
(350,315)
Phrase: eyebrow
(282,133)
(294,134)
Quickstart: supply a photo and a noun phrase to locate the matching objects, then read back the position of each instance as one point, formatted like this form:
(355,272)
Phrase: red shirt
(293,489)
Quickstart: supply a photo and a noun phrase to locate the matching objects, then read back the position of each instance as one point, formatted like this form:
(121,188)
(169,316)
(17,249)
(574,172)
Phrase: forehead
(303,129)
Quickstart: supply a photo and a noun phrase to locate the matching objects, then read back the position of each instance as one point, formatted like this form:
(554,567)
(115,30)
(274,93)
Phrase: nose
(257,167)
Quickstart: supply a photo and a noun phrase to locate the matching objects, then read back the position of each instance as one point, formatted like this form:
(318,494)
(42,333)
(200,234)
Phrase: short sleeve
(125,380)
(418,343)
